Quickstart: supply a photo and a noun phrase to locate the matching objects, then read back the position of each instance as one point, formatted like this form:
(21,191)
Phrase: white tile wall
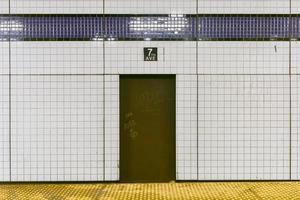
(111,127)
(243,127)
(4,6)
(295,48)
(150,7)
(243,57)
(295,5)
(244,6)
(57,57)
(4,57)
(57,128)
(186,127)
(4,128)
(56,6)
(59,122)
(127,57)
(295,127)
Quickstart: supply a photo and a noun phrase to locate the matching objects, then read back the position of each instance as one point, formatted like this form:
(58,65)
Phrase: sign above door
(150,54)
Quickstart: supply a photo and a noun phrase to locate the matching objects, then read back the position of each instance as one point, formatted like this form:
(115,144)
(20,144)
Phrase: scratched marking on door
(150,101)
(130,125)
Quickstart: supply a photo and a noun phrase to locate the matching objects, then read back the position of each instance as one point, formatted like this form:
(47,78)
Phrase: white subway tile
(243,57)
(128,58)
(295,62)
(186,127)
(56,6)
(244,6)
(112,127)
(57,57)
(4,58)
(295,127)
(57,128)
(295,5)
(243,127)
(4,128)
(4,6)
(151,7)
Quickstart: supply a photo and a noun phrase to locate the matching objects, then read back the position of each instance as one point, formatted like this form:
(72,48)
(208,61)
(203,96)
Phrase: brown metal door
(147,128)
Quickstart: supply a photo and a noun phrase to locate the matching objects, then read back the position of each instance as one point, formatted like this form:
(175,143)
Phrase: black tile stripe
(206,27)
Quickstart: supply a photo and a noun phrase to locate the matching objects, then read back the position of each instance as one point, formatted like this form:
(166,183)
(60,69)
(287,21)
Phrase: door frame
(158,76)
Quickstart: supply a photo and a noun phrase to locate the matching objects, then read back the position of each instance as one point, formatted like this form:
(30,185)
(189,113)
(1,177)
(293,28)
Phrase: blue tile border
(149,27)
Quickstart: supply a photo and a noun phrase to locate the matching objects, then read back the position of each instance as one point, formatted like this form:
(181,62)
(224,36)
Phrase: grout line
(103,8)
(104,114)
(9,55)
(103,56)
(157,40)
(290,95)
(197,72)
(109,74)
(104,123)
(197,126)
(177,181)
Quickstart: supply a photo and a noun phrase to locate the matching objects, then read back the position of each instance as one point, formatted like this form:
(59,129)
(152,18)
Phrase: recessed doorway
(147,128)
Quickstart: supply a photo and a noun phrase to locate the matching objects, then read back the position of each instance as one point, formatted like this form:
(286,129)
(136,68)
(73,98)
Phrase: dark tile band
(149,27)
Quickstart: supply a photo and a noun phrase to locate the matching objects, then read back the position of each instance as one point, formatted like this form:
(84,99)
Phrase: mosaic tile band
(149,27)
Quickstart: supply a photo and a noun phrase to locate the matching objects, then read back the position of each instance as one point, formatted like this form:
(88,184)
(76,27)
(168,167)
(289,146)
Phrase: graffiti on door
(130,125)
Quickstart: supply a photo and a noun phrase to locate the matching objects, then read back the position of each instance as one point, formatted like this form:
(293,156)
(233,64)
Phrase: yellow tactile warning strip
(155,191)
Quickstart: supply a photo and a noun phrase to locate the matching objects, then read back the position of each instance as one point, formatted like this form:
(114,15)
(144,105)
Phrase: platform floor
(165,191)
